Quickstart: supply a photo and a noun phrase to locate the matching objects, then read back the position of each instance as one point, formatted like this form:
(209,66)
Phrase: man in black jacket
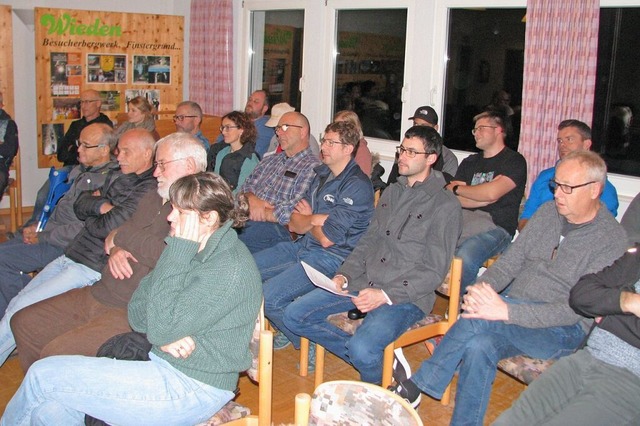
(8,145)
(599,384)
(102,210)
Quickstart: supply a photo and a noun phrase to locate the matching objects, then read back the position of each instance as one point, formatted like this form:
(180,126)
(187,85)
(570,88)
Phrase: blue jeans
(474,251)
(284,279)
(477,346)
(60,390)
(17,259)
(307,317)
(59,276)
(259,236)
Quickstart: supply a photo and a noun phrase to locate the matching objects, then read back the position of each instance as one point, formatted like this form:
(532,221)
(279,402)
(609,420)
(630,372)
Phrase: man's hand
(482,302)
(340,281)
(630,303)
(454,183)
(318,219)
(369,299)
(181,348)
(119,264)
(257,208)
(303,207)
(105,207)
(29,235)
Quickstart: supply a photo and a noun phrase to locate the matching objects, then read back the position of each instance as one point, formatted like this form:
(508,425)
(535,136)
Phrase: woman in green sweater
(198,308)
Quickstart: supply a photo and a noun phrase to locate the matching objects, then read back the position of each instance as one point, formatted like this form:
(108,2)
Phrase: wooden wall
(110,52)
(6,58)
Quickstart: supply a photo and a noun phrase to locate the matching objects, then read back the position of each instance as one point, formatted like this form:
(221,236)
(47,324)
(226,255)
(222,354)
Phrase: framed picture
(106,68)
(152,69)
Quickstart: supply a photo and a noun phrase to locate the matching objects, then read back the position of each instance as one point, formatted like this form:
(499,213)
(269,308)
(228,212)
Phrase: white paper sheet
(321,280)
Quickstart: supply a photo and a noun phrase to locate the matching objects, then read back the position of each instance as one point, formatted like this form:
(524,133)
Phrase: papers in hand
(321,280)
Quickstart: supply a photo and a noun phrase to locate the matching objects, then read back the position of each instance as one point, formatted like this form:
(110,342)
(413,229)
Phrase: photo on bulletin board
(52,133)
(66,109)
(110,100)
(152,69)
(106,68)
(153,96)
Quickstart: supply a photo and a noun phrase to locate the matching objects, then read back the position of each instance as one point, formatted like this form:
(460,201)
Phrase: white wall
(24,71)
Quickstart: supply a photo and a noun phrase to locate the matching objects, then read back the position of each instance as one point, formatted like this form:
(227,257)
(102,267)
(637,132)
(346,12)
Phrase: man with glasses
(447,162)
(330,218)
(277,184)
(80,320)
(573,135)
(101,211)
(396,266)
(565,239)
(490,186)
(188,119)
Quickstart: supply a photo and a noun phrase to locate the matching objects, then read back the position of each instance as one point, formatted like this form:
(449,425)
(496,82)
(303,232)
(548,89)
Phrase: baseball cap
(426,113)
(277,111)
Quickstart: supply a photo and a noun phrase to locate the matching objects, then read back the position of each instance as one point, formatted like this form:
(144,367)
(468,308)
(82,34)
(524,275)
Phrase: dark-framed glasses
(85,145)
(475,129)
(409,152)
(567,189)
(285,127)
(182,117)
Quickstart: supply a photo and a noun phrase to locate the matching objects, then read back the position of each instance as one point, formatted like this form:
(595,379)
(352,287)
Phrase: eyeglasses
(330,142)
(410,152)
(87,146)
(475,129)
(162,164)
(182,117)
(567,189)
(88,101)
(285,127)
(227,128)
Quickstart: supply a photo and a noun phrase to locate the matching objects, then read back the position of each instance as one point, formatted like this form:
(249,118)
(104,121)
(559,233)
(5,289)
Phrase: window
(485,63)
(369,68)
(276,60)
(616,132)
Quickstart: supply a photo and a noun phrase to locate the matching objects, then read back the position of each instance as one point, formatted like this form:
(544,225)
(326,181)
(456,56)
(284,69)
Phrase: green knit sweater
(213,296)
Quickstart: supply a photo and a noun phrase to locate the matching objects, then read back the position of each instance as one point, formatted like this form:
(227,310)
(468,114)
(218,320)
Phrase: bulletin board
(6,58)
(121,55)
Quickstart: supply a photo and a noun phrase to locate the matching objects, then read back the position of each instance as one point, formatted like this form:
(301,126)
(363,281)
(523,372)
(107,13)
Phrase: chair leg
(387,366)
(319,374)
(304,357)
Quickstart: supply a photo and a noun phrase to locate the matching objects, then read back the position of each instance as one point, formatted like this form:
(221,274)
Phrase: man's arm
(9,145)
(610,291)
(282,210)
(473,196)
(539,194)
(67,149)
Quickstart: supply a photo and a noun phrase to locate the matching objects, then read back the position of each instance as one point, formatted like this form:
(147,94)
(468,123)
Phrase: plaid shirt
(282,181)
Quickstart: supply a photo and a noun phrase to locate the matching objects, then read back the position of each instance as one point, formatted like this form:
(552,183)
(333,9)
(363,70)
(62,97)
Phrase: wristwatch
(455,189)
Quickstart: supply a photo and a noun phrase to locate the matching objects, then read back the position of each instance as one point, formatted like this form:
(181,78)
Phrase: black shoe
(356,314)
(408,391)
(401,367)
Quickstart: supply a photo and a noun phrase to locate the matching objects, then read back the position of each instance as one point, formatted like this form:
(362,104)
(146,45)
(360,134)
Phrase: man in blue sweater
(573,135)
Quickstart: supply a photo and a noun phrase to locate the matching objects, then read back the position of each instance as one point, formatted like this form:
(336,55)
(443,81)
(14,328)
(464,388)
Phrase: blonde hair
(350,117)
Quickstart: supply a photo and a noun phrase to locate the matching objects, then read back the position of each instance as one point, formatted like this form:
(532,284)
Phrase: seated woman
(197,307)
(236,158)
(363,155)
(140,116)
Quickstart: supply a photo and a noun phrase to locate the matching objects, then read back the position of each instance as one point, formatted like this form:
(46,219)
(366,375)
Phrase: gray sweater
(542,270)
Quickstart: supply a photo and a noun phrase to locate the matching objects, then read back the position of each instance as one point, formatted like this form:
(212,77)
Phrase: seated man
(396,266)
(21,256)
(489,186)
(277,184)
(564,240)
(332,216)
(8,145)
(188,119)
(79,321)
(102,211)
(573,135)
(599,384)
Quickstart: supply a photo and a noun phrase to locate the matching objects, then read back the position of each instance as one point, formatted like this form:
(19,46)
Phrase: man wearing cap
(278,111)
(447,162)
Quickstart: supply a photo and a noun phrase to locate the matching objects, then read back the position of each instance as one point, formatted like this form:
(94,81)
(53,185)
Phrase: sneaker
(401,367)
(280,341)
(408,391)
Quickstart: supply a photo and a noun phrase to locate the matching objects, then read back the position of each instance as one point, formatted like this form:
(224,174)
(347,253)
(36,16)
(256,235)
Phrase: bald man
(277,184)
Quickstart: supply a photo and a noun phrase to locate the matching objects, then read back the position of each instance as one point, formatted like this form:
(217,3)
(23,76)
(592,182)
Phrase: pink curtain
(561,52)
(211,55)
